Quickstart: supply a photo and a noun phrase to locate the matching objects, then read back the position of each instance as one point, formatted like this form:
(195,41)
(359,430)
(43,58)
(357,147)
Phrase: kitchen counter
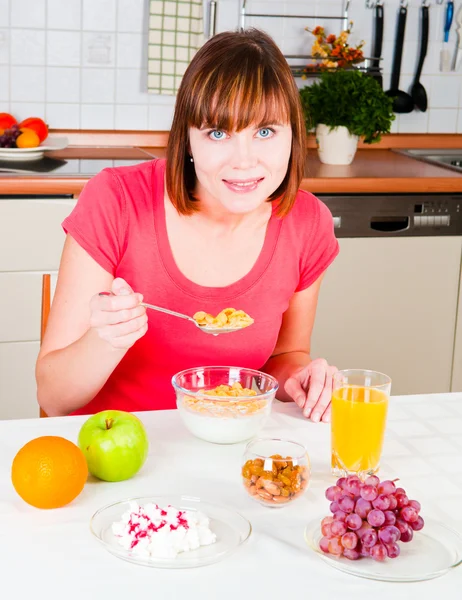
(45,553)
(374,170)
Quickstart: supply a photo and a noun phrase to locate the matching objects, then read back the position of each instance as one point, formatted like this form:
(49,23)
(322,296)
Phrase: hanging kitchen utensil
(445,57)
(402,102)
(458,54)
(378,40)
(418,93)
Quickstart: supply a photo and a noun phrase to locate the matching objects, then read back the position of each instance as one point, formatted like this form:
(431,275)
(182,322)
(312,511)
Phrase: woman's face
(240,170)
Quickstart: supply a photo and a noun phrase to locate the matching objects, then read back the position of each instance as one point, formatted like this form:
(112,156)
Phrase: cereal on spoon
(228,317)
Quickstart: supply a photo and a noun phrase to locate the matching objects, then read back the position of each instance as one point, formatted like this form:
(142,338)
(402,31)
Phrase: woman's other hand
(117,317)
(311,389)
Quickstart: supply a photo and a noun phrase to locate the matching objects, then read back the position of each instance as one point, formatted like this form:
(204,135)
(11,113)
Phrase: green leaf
(349,98)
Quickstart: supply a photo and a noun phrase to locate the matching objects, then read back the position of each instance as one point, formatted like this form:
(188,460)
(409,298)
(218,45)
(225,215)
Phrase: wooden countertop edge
(398,185)
(340,185)
(153,139)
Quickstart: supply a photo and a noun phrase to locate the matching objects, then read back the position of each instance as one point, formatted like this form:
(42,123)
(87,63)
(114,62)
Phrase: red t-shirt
(119,220)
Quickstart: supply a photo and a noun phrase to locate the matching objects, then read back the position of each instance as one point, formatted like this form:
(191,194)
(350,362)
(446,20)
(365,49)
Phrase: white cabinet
(457,362)
(31,241)
(390,305)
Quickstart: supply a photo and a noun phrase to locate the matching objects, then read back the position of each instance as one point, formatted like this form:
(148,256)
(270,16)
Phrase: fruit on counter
(29,133)
(36,124)
(27,139)
(115,444)
(9,136)
(49,472)
(369,519)
(7,121)
(282,482)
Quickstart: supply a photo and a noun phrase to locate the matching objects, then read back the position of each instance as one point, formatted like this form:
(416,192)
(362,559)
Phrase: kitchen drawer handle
(389,223)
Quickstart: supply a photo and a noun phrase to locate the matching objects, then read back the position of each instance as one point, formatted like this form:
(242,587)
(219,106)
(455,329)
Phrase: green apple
(114,443)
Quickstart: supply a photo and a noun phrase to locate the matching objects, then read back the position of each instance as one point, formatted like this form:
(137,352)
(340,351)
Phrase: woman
(220,223)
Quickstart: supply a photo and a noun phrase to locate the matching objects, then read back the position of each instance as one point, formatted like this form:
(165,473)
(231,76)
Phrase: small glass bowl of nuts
(275,472)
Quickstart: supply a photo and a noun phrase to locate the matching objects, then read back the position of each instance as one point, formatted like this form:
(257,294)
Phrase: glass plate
(230,527)
(432,552)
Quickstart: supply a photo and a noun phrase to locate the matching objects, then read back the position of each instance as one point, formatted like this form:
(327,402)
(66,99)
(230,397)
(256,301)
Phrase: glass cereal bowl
(224,405)
(275,472)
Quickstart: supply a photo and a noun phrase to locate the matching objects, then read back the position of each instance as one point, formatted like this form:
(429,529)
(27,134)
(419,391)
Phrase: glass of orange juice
(359,414)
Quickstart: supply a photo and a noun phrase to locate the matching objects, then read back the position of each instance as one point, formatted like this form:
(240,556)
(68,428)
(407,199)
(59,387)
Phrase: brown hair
(235,80)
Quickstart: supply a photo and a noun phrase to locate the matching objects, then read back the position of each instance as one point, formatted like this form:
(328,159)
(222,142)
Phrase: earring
(191,159)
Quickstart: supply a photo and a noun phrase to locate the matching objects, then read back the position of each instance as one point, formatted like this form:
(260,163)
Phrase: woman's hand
(311,388)
(117,317)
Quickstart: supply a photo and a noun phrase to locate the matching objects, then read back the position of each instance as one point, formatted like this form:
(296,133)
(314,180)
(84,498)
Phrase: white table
(51,554)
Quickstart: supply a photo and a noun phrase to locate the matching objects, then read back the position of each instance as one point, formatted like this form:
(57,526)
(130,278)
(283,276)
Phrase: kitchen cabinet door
(457,362)
(31,236)
(390,305)
(18,391)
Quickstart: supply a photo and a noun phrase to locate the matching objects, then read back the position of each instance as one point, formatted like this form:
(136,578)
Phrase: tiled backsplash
(83,63)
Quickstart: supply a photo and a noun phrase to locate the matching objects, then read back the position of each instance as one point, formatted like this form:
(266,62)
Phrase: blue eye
(216,134)
(265,132)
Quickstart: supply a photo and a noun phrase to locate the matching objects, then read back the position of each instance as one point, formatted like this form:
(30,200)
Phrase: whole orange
(6,120)
(49,472)
(27,139)
(37,125)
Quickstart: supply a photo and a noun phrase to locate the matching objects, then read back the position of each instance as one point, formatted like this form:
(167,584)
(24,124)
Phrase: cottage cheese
(152,531)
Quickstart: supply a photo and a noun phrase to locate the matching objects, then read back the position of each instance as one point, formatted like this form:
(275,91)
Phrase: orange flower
(331,38)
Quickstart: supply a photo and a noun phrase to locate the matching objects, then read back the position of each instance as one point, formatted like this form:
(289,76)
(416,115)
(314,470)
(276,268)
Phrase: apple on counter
(115,444)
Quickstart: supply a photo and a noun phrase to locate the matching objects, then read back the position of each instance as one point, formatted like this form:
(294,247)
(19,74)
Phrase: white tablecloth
(51,554)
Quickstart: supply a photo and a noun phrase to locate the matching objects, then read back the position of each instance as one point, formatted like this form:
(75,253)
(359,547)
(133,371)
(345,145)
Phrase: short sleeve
(98,221)
(321,249)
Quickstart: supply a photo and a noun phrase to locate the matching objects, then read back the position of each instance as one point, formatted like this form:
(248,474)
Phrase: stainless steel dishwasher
(390,300)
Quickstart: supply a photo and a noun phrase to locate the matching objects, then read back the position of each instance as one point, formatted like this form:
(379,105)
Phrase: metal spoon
(402,102)
(418,93)
(204,328)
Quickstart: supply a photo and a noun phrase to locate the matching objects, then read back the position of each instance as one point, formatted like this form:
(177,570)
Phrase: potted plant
(345,103)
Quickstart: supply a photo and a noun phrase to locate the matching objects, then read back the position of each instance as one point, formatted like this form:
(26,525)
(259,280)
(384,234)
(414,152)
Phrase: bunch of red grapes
(9,136)
(369,519)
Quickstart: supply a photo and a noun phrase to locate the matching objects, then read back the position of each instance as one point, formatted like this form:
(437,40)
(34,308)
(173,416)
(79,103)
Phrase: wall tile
(27,84)
(132,16)
(5,87)
(45,43)
(131,116)
(24,110)
(99,15)
(4,13)
(132,50)
(97,116)
(66,116)
(28,13)
(99,50)
(98,86)
(131,86)
(63,48)
(445,91)
(4,46)
(64,14)
(413,122)
(160,117)
(63,84)
(27,47)
(442,120)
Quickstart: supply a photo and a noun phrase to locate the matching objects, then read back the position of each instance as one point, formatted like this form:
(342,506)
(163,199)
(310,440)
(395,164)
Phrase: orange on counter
(27,139)
(36,124)
(49,472)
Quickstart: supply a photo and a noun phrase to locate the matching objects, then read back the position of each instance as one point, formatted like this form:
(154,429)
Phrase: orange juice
(358,426)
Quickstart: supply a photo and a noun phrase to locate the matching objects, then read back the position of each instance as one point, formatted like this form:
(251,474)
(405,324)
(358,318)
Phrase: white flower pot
(337,146)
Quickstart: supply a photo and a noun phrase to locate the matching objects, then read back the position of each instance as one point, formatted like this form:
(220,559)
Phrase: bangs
(233,99)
